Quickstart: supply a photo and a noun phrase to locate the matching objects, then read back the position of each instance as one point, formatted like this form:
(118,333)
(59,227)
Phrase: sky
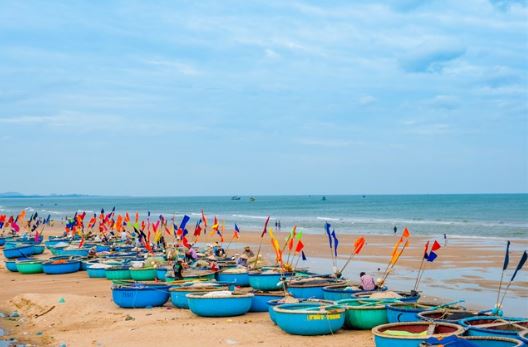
(263,97)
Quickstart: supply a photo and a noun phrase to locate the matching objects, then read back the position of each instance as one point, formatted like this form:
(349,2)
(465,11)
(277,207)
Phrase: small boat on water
(236,198)
(412,334)
(494,326)
(309,318)
(61,266)
(140,295)
(219,303)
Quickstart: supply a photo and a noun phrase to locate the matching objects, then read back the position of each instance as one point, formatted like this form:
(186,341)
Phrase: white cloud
(367,100)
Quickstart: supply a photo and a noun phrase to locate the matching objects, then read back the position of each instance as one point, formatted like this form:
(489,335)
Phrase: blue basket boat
(80,252)
(161,273)
(309,318)
(277,302)
(309,288)
(472,341)
(59,267)
(179,294)
(38,249)
(266,281)
(399,312)
(260,300)
(446,315)
(96,272)
(226,306)
(11,264)
(138,295)
(494,326)
(404,296)
(523,336)
(412,334)
(237,279)
(20,251)
(342,291)
(53,241)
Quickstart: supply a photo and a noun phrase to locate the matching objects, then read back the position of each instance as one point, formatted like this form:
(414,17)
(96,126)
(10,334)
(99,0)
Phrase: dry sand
(88,317)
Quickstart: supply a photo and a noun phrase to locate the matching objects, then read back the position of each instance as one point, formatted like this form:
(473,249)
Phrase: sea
(458,215)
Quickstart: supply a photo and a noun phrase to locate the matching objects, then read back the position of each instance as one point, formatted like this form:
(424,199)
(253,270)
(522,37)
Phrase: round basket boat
(309,287)
(118,273)
(59,267)
(11,264)
(143,274)
(204,305)
(38,249)
(494,326)
(29,266)
(412,334)
(259,303)
(239,279)
(82,252)
(309,319)
(20,251)
(198,275)
(97,270)
(399,312)
(480,341)
(446,315)
(277,302)
(178,294)
(403,296)
(364,314)
(161,273)
(523,336)
(342,291)
(139,295)
(266,281)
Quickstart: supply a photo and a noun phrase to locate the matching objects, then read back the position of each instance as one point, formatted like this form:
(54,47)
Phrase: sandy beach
(77,311)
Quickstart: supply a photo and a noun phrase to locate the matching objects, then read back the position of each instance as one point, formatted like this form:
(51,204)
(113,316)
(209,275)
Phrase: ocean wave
(250,216)
(329,219)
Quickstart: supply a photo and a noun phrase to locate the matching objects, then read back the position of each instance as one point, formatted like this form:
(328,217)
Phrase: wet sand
(466,268)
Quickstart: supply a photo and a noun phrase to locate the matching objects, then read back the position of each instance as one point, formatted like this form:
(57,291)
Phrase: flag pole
(506,261)
(255,262)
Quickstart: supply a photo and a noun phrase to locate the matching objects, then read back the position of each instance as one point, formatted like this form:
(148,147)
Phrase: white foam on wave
(250,216)
(329,219)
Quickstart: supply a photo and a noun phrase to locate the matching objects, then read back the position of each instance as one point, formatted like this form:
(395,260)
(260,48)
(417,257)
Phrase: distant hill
(20,195)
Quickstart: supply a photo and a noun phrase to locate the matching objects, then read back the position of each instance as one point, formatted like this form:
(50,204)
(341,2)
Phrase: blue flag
(431,257)
(327,228)
(303,256)
(184,222)
(336,242)
(506,256)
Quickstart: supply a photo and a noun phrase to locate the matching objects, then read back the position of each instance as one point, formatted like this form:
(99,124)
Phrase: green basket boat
(364,314)
(118,273)
(29,267)
(143,274)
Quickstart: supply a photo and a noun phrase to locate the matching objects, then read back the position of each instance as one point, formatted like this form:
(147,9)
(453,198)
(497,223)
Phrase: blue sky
(263,97)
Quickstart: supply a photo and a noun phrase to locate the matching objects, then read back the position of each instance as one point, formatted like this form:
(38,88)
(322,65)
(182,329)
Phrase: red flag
(436,246)
(406,233)
(300,246)
(167,230)
(290,243)
(204,219)
(358,245)
(186,242)
(426,248)
(137,217)
(265,227)
(127,217)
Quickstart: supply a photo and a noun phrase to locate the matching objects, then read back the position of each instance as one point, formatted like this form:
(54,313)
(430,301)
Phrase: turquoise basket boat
(405,312)
(277,302)
(470,341)
(341,291)
(19,251)
(260,300)
(228,306)
(138,295)
(494,326)
(364,314)
(412,334)
(11,265)
(118,273)
(179,298)
(29,266)
(404,296)
(96,272)
(143,274)
(59,267)
(266,281)
(238,279)
(161,273)
(309,319)
(38,249)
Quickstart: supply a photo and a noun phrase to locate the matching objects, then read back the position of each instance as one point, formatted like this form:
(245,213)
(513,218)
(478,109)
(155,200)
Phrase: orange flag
(395,257)
(358,245)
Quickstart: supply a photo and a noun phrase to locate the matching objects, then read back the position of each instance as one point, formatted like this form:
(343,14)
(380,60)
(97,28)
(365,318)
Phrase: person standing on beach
(395,229)
(445,240)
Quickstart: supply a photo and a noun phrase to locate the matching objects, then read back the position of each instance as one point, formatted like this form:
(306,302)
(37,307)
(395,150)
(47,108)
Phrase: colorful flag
(506,256)
(265,227)
(336,242)
(303,256)
(198,228)
(358,244)
(425,255)
(204,219)
(327,228)
(236,232)
(300,246)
